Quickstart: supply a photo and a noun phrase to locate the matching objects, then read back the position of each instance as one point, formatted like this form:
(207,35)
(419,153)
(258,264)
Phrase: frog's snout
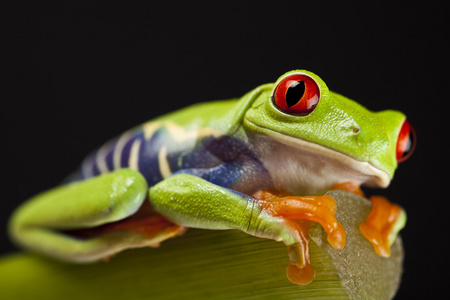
(406,142)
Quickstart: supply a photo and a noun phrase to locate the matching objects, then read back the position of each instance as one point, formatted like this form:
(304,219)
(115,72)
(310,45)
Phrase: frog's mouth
(315,167)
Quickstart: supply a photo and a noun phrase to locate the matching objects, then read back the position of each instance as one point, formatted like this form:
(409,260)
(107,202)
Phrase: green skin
(357,144)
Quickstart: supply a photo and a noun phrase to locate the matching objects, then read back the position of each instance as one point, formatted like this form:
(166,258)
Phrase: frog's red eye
(297,94)
(406,142)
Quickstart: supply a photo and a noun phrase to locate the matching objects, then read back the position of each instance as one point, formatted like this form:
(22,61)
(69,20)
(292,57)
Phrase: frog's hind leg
(91,219)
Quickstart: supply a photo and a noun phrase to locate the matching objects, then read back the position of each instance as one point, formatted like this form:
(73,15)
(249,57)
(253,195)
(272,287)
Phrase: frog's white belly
(305,168)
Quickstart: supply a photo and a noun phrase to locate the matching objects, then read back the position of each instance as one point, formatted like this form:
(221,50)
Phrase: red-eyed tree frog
(260,164)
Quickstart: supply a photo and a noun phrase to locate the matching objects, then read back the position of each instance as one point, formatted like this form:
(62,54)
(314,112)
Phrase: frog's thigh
(38,223)
(194,202)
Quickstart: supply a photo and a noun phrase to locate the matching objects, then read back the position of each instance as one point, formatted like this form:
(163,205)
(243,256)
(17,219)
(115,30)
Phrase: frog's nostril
(356,129)
(406,142)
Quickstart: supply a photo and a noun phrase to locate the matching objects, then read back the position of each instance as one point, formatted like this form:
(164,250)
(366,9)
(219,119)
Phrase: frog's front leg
(91,219)
(194,202)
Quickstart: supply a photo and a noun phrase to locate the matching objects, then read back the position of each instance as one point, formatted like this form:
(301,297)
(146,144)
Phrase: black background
(76,74)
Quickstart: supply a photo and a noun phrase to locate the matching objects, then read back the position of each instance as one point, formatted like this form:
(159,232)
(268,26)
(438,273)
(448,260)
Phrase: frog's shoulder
(223,115)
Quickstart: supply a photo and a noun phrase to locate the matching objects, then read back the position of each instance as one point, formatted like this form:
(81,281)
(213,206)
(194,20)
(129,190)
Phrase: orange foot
(299,212)
(383,222)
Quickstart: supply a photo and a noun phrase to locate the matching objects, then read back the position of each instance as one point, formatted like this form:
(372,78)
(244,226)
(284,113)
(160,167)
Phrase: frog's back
(161,146)
(199,114)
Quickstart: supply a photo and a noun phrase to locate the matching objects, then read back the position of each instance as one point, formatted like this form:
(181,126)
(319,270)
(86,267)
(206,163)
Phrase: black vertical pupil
(409,145)
(295,93)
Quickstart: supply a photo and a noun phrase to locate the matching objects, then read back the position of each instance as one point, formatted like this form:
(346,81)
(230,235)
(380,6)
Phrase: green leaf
(205,264)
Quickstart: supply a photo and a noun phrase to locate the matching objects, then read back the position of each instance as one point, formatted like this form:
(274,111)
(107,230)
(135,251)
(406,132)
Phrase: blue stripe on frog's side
(224,160)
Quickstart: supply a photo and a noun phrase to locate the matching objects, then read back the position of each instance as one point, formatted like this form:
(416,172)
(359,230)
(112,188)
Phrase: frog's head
(336,134)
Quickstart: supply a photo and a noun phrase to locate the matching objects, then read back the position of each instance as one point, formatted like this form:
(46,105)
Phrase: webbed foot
(382,224)
(299,212)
